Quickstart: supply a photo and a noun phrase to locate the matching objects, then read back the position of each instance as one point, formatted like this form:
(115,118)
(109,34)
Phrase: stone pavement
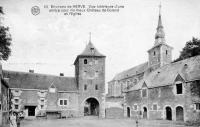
(95,122)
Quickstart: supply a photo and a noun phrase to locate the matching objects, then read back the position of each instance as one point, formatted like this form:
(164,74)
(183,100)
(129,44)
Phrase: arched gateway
(91,107)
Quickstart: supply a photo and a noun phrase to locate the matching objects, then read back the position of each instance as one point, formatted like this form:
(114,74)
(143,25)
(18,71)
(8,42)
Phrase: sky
(49,42)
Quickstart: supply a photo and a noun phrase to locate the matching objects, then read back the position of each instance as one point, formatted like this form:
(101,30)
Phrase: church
(52,96)
(157,89)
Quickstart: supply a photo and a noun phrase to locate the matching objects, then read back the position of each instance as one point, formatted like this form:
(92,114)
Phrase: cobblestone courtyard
(94,122)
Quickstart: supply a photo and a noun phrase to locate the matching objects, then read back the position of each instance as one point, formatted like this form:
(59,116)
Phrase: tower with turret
(90,78)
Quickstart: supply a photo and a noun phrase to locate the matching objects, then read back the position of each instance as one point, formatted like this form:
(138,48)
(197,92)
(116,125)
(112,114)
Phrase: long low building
(60,96)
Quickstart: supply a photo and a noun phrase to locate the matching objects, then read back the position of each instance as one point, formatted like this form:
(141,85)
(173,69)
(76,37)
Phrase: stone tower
(90,77)
(161,53)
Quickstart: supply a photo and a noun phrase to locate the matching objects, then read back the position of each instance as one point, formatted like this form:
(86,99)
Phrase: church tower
(90,77)
(161,53)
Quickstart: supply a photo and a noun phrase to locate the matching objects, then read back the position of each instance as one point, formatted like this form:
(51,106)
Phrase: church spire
(160,34)
(90,37)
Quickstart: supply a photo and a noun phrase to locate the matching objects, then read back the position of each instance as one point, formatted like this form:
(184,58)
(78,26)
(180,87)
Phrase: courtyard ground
(95,122)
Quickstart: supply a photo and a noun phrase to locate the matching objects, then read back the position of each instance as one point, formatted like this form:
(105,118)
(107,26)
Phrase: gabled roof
(90,50)
(131,72)
(27,80)
(188,69)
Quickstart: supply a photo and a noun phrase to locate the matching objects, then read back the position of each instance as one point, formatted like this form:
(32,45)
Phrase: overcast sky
(50,42)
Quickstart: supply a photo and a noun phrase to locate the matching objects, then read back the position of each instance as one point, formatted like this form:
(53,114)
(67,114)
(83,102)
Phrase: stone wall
(114,107)
(163,97)
(50,101)
(91,74)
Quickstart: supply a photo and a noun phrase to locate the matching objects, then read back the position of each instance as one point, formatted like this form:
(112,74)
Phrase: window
(16,91)
(197,106)
(16,107)
(42,100)
(85,87)
(154,53)
(179,88)
(16,100)
(144,92)
(52,90)
(96,87)
(134,107)
(155,107)
(166,52)
(85,61)
(63,102)
(96,74)
(42,106)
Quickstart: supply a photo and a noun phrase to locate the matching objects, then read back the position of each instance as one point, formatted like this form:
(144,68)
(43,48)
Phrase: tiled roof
(132,71)
(29,80)
(90,50)
(188,69)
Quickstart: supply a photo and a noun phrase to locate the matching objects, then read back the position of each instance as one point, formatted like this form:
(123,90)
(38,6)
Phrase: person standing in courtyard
(13,120)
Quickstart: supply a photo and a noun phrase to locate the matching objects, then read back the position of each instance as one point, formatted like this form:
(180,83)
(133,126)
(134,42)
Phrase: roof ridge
(41,74)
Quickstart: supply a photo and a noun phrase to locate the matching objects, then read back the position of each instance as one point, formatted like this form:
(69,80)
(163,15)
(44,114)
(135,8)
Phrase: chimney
(61,74)
(31,71)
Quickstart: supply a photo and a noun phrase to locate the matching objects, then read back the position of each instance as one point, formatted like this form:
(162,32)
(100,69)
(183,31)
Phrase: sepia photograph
(100,63)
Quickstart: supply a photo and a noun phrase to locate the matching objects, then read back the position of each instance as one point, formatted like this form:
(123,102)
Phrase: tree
(192,48)
(5,39)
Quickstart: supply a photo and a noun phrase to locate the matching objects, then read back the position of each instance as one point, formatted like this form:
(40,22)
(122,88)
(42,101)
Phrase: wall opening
(179,88)
(128,112)
(144,112)
(31,110)
(179,113)
(168,113)
(91,107)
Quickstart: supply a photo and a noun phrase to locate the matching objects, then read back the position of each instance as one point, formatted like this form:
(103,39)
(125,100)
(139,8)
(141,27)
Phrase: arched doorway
(128,112)
(179,114)
(144,112)
(168,113)
(91,107)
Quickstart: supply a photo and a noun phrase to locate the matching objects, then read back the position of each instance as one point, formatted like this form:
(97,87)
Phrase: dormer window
(179,88)
(85,61)
(144,93)
(92,49)
(52,88)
